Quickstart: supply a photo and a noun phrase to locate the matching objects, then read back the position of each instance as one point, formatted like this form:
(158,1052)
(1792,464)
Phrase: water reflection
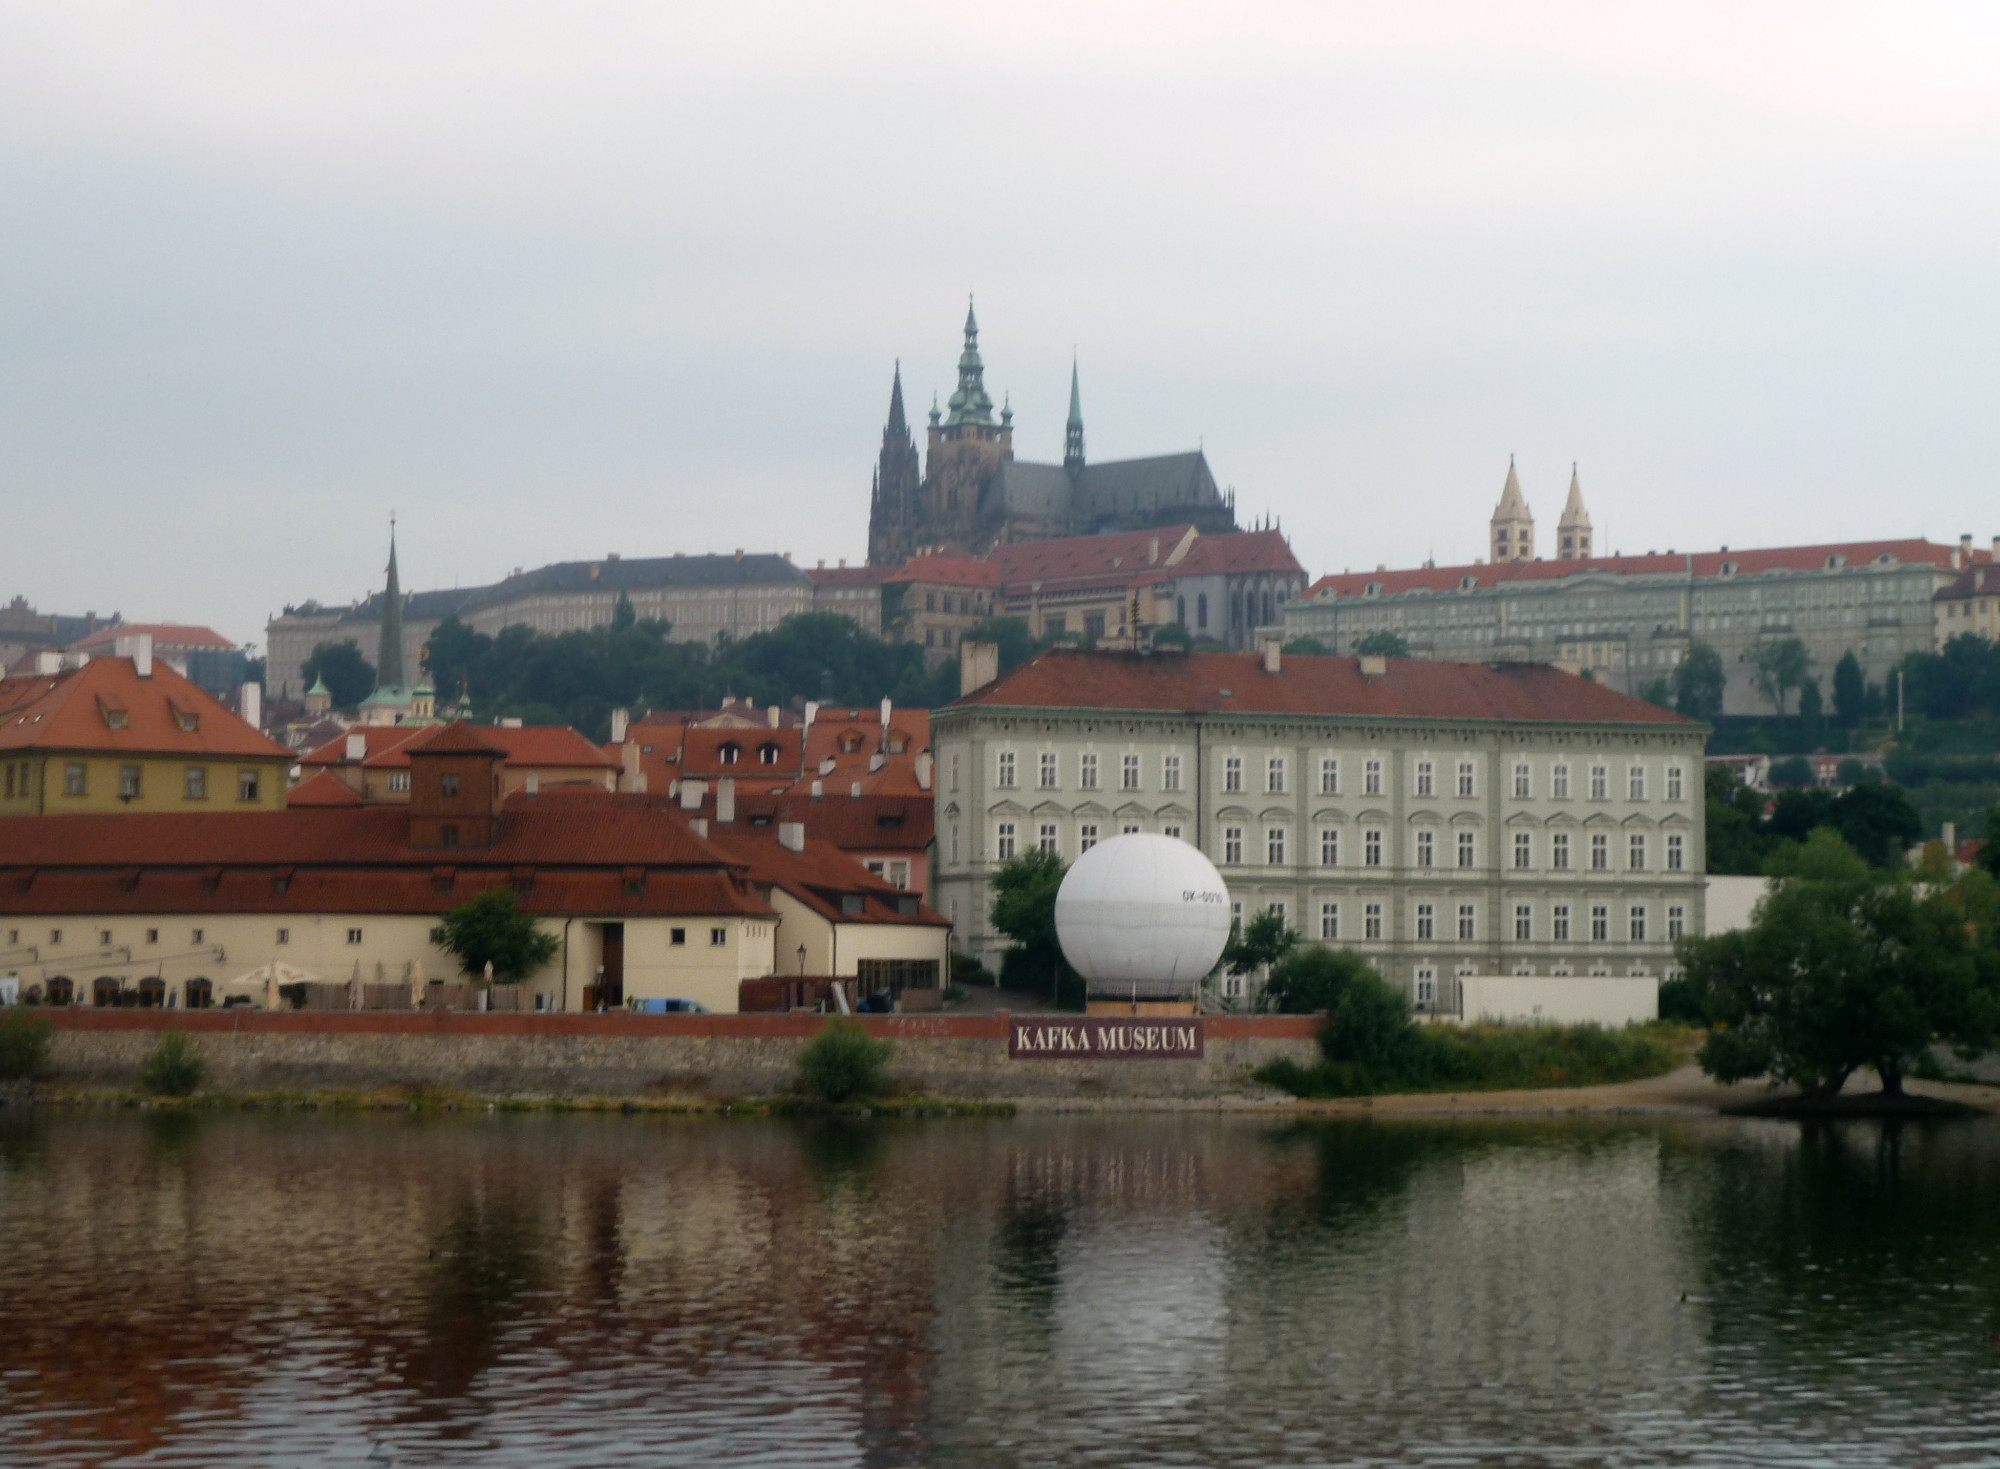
(1163,1290)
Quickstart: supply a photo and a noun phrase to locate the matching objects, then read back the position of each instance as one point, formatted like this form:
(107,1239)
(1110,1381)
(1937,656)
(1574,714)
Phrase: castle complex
(973,494)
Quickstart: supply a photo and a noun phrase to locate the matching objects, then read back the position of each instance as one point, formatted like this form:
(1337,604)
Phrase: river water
(526,1290)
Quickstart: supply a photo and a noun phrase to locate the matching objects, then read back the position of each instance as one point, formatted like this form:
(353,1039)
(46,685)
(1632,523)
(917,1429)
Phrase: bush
(24,1045)
(1369,1051)
(174,1066)
(843,1062)
(1680,1000)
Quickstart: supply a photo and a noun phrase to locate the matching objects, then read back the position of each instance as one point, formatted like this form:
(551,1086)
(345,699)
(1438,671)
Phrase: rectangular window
(354,935)
(1274,775)
(1371,778)
(1003,773)
(1274,846)
(1171,831)
(1673,782)
(1278,911)
(1046,838)
(1676,921)
(284,935)
(1559,782)
(1524,850)
(1232,773)
(954,844)
(399,780)
(247,785)
(1170,773)
(1635,783)
(449,785)
(1128,774)
(1232,845)
(1329,777)
(1465,783)
(447,835)
(717,937)
(1426,849)
(1524,924)
(1524,783)
(1427,987)
(1329,846)
(1635,855)
(152,935)
(1467,923)
(1086,836)
(128,782)
(1600,923)
(1600,852)
(1426,923)
(1426,779)
(1128,830)
(1329,921)
(1048,772)
(1371,847)
(1371,921)
(1559,851)
(954,770)
(73,779)
(104,938)
(194,937)
(1559,923)
(1676,852)
(1003,841)
(195,782)
(1638,923)
(1086,772)
(677,936)
(1468,849)
(1600,782)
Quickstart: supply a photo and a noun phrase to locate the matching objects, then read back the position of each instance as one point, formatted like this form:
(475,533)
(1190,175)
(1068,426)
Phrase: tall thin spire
(1073,431)
(971,403)
(1573,531)
(389,673)
(897,425)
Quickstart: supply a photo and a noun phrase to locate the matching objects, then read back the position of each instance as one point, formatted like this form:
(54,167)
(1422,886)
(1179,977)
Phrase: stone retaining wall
(696,1056)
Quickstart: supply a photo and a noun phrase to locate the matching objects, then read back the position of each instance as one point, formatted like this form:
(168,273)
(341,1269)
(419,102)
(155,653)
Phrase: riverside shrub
(174,1067)
(1475,1058)
(24,1045)
(843,1063)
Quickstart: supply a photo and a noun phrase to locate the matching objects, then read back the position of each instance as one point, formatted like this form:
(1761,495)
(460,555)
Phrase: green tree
(1877,820)
(1173,635)
(1842,968)
(843,1063)
(1307,647)
(1989,847)
(1734,813)
(1810,706)
(1659,691)
(174,1067)
(1024,909)
(1258,944)
(453,651)
(1699,680)
(1017,644)
(349,677)
(1781,664)
(1794,770)
(24,1044)
(1382,644)
(1850,690)
(494,929)
(1311,978)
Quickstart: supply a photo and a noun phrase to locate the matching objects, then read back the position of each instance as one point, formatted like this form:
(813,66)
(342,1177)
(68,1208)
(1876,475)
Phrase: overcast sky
(556,280)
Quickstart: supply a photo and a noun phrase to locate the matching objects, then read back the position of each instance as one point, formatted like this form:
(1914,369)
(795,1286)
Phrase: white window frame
(1468,923)
(1676,783)
(1329,775)
(1329,846)
(1559,923)
(1048,771)
(1524,923)
(1232,846)
(1676,921)
(1274,846)
(1468,779)
(1426,923)
(1468,850)
(1371,923)
(1004,841)
(1274,776)
(1636,918)
(1048,840)
(1559,851)
(1600,782)
(1524,780)
(1371,778)
(1635,783)
(1329,922)
(1426,848)
(1524,851)
(1426,779)
(1635,852)
(1004,770)
(1600,851)
(1086,771)
(1086,837)
(1170,773)
(1559,781)
(1232,773)
(1676,852)
(1600,923)
(1371,847)
(1128,773)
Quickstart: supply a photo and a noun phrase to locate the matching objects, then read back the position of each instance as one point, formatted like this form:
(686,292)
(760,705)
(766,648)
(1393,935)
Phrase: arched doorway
(62,990)
(104,991)
(152,993)
(200,994)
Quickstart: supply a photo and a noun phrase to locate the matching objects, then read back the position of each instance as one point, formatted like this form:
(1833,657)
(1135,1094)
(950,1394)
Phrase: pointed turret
(970,404)
(389,672)
(1573,534)
(1513,528)
(893,503)
(1073,431)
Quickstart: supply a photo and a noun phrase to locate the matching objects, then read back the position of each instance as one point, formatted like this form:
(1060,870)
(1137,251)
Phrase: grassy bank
(1490,1058)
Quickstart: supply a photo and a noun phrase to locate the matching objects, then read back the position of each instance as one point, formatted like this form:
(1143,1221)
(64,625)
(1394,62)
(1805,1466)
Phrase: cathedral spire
(389,673)
(1073,431)
(893,501)
(897,425)
(1573,530)
(971,403)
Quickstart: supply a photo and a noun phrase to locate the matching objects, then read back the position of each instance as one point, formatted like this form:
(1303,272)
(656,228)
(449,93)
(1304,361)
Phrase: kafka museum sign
(1105,1038)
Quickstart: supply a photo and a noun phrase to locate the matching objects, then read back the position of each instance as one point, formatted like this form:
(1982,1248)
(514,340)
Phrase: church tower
(1513,528)
(1073,430)
(1573,530)
(963,458)
(892,507)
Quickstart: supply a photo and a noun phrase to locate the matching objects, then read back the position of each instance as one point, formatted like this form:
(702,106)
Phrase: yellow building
(128,733)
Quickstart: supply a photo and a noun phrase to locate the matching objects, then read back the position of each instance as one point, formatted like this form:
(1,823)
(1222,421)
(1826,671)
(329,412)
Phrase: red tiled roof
(544,745)
(865,823)
(849,576)
(322,789)
(1124,556)
(820,875)
(456,738)
(165,635)
(701,753)
(70,711)
(378,740)
(1978,580)
(1412,688)
(1698,563)
(1239,553)
(946,571)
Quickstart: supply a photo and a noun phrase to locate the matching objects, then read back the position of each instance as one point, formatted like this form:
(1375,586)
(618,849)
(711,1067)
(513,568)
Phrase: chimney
(46,663)
(1965,548)
(725,800)
(924,770)
(854,791)
(978,666)
(818,790)
(885,713)
(792,835)
(826,765)
(1996,548)
(138,647)
(876,761)
(629,778)
(1153,552)
(621,720)
(699,826)
(357,748)
(771,716)
(812,712)
(692,792)
(1270,647)
(1950,836)
(250,704)
(534,784)
(512,721)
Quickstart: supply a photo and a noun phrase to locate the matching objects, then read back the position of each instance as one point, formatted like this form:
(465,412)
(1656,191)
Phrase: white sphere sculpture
(1142,917)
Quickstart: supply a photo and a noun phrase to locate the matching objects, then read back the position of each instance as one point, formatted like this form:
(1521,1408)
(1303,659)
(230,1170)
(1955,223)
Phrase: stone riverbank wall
(662,1056)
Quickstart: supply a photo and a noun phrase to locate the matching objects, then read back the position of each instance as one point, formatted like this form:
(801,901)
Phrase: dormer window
(1467,583)
(185,720)
(850,743)
(767,754)
(728,753)
(1729,568)
(1373,589)
(1835,562)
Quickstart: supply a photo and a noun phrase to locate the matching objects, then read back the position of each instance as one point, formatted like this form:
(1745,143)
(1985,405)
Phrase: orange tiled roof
(104,707)
(322,789)
(946,571)
(1412,688)
(1123,556)
(1239,553)
(165,635)
(820,875)
(545,745)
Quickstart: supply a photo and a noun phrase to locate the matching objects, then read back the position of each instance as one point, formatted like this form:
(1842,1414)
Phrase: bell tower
(1512,535)
(1573,530)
